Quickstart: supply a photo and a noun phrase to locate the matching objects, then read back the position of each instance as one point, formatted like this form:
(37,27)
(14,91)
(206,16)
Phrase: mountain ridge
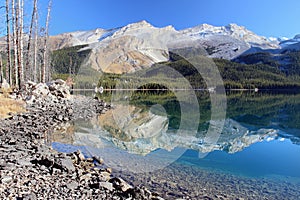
(140,45)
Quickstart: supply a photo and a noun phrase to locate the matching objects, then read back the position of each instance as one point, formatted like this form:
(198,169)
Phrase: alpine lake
(182,149)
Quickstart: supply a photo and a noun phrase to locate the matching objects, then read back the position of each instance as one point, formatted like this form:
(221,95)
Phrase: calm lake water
(153,134)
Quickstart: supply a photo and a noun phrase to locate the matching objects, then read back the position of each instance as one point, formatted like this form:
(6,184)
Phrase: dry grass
(8,105)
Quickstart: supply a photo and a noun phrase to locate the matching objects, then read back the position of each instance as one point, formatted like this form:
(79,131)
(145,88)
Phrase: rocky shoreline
(31,169)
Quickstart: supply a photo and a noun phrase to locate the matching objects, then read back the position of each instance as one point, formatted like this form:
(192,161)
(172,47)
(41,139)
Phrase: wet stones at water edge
(30,169)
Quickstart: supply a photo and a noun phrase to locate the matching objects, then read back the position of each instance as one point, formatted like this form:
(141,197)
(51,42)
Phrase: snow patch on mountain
(237,32)
(140,45)
(291,43)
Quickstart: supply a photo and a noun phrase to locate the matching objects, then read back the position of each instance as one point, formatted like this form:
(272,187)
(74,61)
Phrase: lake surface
(166,142)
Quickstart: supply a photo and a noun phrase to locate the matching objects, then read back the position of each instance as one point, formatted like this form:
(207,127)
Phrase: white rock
(107,185)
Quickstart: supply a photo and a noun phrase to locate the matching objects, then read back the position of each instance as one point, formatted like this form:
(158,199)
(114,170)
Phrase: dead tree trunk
(21,43)
(9,65)
(15,40)
(1,73)
(28,67)
(35,51)
(45,66)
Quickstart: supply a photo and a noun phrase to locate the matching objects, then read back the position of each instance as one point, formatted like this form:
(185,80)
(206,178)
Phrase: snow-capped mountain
(232,30)
(140,45)
(291,44)
(287,42)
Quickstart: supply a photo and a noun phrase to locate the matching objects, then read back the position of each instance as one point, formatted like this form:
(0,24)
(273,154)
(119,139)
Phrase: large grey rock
(73,185)
(107,185)
(23,162)
(120,184)
(80,155)
(68,164)
(5,85)
(41,89)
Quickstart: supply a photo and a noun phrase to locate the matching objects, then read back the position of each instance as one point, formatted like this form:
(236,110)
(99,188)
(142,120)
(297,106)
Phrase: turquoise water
(264,159)
(260,138)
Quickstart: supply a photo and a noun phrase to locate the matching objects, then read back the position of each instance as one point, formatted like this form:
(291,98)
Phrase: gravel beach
(31,169)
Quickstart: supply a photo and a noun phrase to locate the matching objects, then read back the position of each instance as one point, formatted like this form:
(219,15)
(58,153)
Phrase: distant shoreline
(181,89)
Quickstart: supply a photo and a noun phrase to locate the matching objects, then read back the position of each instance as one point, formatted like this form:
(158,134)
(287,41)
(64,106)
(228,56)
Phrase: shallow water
(148,137)
(261,160)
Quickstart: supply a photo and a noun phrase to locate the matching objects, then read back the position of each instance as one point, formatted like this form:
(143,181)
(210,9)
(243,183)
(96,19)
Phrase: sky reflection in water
(262,134)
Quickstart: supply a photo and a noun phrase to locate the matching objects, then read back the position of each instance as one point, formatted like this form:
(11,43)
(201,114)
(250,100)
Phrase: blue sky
(264,17)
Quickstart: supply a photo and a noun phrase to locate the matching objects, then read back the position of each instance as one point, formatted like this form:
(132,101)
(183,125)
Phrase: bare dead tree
(21,43)
(28,59)
(28,67)
(35,51)
(15,40)
(1,66)
(45,66)
(8,70)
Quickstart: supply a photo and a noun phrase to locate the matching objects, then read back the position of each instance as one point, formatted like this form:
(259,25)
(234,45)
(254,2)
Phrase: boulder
(5,85)
(30,99)
(120,184)
(80,155)
(107,185)
(73,185)
(68,164)
(59,82)
(41,90)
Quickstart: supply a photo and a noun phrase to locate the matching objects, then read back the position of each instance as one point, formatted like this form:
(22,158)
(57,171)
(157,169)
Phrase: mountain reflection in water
(152,125)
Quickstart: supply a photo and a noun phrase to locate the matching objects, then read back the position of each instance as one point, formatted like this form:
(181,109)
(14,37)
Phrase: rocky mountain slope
(140,45)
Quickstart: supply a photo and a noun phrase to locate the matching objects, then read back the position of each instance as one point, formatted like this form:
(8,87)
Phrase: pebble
(6,179)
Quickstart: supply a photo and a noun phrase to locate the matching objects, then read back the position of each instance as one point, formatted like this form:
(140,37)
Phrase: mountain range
(140,45)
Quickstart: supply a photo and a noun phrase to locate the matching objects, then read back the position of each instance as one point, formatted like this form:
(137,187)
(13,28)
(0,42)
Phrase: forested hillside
(235,75)
(68,60)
